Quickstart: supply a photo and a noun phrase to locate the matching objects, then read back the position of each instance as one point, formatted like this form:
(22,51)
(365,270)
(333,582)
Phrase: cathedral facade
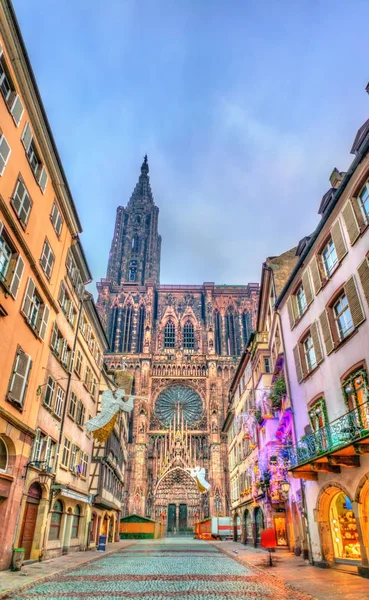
(182,344)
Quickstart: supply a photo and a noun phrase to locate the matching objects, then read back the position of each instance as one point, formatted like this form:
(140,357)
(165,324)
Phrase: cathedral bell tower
(135,251)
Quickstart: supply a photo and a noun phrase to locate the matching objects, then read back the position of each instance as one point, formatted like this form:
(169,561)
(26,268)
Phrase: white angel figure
(198,473)
(111,404)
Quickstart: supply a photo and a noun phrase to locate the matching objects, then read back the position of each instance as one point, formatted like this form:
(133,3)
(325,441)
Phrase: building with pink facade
(324,311)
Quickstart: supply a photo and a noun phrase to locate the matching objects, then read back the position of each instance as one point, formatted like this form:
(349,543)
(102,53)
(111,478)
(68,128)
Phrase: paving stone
(168,569)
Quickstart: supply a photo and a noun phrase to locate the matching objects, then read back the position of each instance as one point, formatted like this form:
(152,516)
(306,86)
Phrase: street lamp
(285,485)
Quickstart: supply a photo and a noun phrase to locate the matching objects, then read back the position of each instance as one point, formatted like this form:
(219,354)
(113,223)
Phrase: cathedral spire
(142,191)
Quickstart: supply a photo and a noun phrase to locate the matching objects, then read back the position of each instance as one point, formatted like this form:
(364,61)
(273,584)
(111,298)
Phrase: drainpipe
(302,482)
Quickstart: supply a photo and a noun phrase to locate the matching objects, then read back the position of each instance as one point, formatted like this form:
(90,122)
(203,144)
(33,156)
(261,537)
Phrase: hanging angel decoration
(102,425)
(198,474)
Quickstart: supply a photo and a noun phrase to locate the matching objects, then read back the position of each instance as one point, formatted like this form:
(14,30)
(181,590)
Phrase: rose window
(178,399)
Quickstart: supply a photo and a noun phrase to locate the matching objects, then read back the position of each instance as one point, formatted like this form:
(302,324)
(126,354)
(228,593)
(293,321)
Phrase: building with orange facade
(51,340)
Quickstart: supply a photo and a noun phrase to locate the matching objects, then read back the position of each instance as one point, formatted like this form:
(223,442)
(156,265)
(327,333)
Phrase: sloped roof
(136,519)
(282,266)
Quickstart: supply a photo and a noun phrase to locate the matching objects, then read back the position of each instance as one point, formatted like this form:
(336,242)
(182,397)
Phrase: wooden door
(29,519)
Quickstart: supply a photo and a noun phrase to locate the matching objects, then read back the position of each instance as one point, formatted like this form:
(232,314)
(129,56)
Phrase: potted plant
(277,392)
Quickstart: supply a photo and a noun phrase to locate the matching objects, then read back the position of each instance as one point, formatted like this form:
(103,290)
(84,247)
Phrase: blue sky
(244,108)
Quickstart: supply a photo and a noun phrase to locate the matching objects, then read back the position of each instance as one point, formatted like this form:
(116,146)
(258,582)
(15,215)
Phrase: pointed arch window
(188,335)
(246,326)
(231,340)
(127,329)
(169,335)
(135,243)
(218,332)
(140,329)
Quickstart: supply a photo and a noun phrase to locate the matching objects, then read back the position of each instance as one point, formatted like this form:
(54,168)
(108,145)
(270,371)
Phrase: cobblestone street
(169,568)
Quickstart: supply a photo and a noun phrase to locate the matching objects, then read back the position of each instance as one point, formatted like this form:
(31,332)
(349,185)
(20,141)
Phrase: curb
(269,576)
(25,586)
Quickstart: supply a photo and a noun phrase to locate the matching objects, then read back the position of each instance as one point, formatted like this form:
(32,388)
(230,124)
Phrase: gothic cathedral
(182,344)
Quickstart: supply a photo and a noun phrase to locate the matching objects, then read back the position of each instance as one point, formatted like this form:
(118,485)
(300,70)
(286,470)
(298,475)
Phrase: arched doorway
(177,496)
(93,528)
(258,524)
(29,519)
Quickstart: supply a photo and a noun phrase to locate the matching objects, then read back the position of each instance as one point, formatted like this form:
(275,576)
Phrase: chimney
(336,178)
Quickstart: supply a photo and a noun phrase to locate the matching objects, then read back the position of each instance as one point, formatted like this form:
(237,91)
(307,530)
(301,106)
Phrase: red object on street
(268,538)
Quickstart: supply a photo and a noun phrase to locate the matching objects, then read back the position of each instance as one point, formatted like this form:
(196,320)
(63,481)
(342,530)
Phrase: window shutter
(296,355)
(20,376)
(36,445)
(363,271)
(17,110)
(316,341)
(1,227)
(315,274)
(54,338)
(1,50)
(4,153)
(352,225)
(42,178)
(326,331)
(30,290)
(339,240)
(17,276)
(354,301)
(27,137)
(44,321)
(291,311)
(307,287)
(61,293)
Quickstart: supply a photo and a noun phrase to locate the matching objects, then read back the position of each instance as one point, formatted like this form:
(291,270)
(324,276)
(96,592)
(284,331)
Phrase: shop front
(344,530)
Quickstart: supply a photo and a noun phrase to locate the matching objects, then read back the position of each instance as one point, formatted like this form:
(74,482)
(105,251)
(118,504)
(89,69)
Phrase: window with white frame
(80,413)
(329,257)
(35,310)
(56,219)
(88,377)
(19,378)
(11,263)
(84,464)
(66,453)
(342,316)
(74,274)
(43,451)
(47,259)
(364,202)
(8,91)
(67,305)
(78,363)
(59,401)
(33,156)
(21,202)
(49,392)
(301,300)
(309,353)
(72,405)
(4,152)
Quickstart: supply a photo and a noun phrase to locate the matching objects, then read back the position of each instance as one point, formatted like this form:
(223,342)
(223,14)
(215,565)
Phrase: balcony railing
(352,427)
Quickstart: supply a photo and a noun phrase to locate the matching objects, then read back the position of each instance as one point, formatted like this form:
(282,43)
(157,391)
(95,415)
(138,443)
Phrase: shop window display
(344,529)
(280,530)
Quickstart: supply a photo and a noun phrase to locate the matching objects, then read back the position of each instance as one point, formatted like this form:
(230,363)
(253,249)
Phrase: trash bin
(17,559)
(102,543)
